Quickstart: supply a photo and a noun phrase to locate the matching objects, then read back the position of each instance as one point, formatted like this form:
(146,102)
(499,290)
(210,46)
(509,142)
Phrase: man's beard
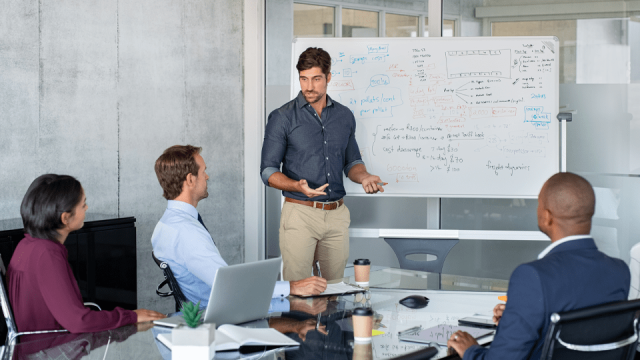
(205,195)
(312,99)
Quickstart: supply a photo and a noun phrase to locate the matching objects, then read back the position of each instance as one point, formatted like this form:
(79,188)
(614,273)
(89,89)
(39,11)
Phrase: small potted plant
(195,340)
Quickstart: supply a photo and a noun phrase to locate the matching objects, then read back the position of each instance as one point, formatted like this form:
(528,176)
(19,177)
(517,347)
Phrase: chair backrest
(608,331)
(440,248)
(7,313)
(170,280)
(634,267)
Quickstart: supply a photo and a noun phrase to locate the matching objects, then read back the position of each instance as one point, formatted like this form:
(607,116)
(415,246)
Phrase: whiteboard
(449,117)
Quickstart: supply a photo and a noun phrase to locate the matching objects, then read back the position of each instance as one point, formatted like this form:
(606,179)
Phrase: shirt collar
(301,101)
(181,205)
(553,245)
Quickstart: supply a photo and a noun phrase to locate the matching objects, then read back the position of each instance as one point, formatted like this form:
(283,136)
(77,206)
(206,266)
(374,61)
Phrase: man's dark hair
(173,166)
(315,57)
(47,198)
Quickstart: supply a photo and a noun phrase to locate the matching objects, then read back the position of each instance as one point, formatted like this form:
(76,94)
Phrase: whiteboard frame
(561,161)
(426,234)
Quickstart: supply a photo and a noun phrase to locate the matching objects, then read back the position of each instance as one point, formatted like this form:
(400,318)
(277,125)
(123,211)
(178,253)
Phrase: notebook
(231,337)
(441,333)
(340,288)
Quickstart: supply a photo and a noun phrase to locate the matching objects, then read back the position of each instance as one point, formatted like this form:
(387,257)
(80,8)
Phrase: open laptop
(239,293)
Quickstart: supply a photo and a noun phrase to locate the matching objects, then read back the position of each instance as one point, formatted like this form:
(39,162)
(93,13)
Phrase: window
(359,23)
(313,20)
(448,28)
(401,25)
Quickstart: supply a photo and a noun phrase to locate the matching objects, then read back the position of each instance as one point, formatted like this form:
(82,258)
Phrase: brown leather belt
(316,204)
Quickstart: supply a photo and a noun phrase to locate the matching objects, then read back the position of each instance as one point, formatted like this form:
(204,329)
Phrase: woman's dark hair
(315,57)
(47,198)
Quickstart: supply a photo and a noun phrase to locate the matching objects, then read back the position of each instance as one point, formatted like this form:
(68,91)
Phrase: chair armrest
(88,303)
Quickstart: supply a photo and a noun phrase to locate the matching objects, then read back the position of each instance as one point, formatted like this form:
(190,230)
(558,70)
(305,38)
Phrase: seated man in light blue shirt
(181,238)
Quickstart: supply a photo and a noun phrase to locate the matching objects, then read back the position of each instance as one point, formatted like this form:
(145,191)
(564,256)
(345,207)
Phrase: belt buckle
(325,206)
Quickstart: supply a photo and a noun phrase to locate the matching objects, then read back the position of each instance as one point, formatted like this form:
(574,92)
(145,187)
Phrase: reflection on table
(390,278)
(332,338)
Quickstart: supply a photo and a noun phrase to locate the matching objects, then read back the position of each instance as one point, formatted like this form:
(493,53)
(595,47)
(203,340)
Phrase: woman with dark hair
(43,292)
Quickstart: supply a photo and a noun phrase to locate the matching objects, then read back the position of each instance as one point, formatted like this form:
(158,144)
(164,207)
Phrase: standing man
(181,238)
(313,138)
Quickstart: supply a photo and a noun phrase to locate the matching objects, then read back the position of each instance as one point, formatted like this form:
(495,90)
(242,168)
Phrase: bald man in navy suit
(569,274)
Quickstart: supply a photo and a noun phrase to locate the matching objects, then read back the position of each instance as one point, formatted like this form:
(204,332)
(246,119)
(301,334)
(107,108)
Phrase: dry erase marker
(502,298)
(382,183)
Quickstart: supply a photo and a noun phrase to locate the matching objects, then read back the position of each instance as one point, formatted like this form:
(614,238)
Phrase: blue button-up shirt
(311,147)
(181,241)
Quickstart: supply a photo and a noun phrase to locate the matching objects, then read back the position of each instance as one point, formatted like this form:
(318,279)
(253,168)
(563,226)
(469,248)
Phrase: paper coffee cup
(362,324)
(362,268)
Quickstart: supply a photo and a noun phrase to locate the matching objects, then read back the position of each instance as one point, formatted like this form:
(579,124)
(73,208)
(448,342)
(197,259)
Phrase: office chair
(608,331)
(440,248)
(12,329)
(170,280)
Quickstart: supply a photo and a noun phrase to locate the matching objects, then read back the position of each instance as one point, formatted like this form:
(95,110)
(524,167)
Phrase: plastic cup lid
(362,262)
(363,312)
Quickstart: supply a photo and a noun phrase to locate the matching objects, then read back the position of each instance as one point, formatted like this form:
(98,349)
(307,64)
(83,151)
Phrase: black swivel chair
(608,331)
(169,280)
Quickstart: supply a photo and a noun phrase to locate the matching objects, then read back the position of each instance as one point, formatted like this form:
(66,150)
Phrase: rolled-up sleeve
(352,155)
(274,145)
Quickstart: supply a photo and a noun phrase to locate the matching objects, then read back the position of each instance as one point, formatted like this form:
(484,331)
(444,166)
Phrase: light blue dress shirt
(181,241)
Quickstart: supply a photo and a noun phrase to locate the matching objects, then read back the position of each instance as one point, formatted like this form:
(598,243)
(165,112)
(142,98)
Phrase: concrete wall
(99,89)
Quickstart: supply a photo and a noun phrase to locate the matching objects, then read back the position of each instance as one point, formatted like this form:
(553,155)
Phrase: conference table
(451,298)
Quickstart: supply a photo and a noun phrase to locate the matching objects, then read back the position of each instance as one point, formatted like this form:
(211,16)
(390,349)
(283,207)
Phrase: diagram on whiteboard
(464,117)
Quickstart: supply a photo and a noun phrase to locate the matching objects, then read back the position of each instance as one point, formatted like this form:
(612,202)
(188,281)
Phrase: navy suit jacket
(571,276)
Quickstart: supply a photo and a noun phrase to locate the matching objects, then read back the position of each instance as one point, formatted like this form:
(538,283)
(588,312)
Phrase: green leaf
(191,314)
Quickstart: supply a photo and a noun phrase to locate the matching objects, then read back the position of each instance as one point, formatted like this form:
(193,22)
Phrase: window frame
(382,11)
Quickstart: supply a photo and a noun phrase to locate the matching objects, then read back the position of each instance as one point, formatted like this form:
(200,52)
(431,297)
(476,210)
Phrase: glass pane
(401,25)
(600,80)
(489,214)
(359,23)
(312,20)
(448,28)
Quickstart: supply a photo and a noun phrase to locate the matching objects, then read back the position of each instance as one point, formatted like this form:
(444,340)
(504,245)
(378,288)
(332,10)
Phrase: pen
(318,267)
(382,183)
(410,330)
(502,298)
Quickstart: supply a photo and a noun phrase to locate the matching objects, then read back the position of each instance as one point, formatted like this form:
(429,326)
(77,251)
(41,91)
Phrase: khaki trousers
(308,235)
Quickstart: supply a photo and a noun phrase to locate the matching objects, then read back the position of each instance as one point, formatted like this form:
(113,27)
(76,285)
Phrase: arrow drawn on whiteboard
(459,93)
(464,85)
(374,141)
(462,99)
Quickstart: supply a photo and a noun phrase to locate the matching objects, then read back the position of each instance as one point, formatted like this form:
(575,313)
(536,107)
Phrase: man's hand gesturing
(310,286)
(370,184)
(305,189)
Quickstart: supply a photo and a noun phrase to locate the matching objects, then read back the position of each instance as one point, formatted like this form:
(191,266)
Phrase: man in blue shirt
(313,138)
(569,274)
(181,238)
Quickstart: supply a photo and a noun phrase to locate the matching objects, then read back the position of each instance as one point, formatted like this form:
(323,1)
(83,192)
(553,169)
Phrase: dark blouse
(44,294)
